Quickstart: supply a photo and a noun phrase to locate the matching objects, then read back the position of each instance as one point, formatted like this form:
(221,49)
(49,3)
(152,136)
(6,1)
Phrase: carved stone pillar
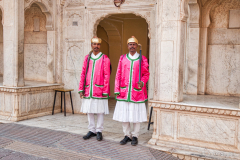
(192,49)
(203,49)
(13,37)
(170,60)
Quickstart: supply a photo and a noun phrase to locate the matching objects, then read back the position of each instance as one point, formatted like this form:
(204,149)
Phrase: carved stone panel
(74,31)
(75,55)
(167,124)
(208,129)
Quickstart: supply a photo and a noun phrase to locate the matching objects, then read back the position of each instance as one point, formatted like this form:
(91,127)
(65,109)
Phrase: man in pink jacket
(94,88)
(131,93)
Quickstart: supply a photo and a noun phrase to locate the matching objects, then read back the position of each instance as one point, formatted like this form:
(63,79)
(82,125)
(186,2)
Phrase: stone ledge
(30,88)
(194,108)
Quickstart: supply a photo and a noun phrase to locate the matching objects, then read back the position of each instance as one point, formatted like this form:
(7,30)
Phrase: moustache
(96,48)
(132,48)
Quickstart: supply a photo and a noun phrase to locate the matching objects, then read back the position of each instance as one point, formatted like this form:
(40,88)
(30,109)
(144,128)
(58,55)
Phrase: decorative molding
(74,54)
(194,14)
(78,44)
(74,15)
(191,108)
(184,10)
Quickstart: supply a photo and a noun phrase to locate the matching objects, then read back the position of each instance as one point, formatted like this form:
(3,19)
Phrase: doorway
(115,31)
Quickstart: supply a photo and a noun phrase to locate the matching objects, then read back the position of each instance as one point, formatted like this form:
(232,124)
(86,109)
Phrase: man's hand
(140,85)
(81,95)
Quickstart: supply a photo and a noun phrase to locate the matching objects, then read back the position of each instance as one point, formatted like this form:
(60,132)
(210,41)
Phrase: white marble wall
(223,72)
(35,62)
(223,69)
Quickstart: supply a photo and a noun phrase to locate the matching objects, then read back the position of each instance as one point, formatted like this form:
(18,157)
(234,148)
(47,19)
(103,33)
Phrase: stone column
(170,56)
(203,60)
(193,49)
(13,38)
(203,50)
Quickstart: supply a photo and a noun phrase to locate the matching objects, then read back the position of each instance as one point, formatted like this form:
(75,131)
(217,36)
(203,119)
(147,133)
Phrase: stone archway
(119,28)
(49,39)
(146,13)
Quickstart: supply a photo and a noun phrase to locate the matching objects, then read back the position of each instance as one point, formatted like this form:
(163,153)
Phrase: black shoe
(134,141)
(89,135)
(125,140)
(99,136)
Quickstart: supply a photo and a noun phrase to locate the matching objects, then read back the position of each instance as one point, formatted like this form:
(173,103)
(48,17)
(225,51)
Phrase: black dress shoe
(134,141)
(125,140)
(89,135)
(99,136)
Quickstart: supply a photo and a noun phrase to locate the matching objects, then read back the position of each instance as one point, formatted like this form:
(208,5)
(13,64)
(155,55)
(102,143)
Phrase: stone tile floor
(78,124)
(21,142)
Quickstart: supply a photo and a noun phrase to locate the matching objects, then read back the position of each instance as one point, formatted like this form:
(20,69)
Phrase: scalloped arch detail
(145,16)
(46,11)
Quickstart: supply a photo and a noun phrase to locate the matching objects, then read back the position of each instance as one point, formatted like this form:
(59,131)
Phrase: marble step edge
(194,108)
(30,88)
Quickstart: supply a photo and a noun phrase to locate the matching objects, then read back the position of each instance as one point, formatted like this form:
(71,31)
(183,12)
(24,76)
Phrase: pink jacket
(127,77)
(97,83)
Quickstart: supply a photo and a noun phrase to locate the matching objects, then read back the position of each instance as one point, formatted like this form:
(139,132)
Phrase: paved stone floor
(21,142)
(78,124)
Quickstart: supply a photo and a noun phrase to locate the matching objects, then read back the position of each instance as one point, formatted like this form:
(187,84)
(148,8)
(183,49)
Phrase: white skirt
(95,106)
(130,112)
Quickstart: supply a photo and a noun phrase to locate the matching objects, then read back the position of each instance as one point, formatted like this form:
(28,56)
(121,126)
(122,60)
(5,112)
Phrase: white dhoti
(127,112)
(95,106)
